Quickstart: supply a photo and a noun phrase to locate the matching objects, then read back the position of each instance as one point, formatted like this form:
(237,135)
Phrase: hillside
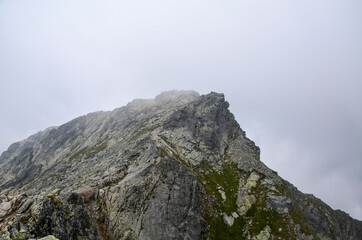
(175,167)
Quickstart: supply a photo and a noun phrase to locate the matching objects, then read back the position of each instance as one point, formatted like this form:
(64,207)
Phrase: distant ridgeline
(174,167)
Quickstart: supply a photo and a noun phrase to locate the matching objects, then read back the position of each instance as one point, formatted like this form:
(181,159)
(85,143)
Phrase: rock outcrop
(174,167)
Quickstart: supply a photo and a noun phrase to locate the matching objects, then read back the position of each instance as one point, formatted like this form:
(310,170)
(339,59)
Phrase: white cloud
(290,70)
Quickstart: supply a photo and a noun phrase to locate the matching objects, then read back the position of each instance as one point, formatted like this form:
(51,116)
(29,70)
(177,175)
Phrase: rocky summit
(175,167)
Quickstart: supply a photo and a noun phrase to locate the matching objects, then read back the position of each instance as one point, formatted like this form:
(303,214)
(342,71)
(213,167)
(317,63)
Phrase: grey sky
(291,70)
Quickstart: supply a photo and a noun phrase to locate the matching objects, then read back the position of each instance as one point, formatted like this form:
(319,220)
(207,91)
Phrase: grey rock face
(174,167)
(228,220)
(281,204)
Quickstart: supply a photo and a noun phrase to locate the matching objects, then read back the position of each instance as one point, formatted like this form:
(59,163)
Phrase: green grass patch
(262,217)
(219,230)
(228,179)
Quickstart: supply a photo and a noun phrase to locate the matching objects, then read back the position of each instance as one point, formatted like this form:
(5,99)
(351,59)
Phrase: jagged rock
(244,203)
(228,220)
(281,204)
(101,192)
(223,196)
(245,200)
(174,167)
(252,180)
(269,181)
(264,234)
(5,206)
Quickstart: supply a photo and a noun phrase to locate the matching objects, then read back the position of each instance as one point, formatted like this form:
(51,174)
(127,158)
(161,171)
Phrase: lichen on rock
(245,199)
(264,234)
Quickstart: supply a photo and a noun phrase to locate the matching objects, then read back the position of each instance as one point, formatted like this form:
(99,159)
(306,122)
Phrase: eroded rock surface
(174,167)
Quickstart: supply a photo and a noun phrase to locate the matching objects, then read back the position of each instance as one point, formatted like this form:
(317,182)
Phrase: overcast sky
(291,70)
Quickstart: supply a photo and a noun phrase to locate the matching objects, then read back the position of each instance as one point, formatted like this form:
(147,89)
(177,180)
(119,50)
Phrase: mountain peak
(177,95)
(177,166)
(168,99)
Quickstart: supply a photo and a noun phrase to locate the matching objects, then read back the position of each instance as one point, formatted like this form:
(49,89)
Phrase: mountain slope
(174,167)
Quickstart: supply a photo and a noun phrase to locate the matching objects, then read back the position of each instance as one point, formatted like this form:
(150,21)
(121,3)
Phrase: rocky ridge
(175,167)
